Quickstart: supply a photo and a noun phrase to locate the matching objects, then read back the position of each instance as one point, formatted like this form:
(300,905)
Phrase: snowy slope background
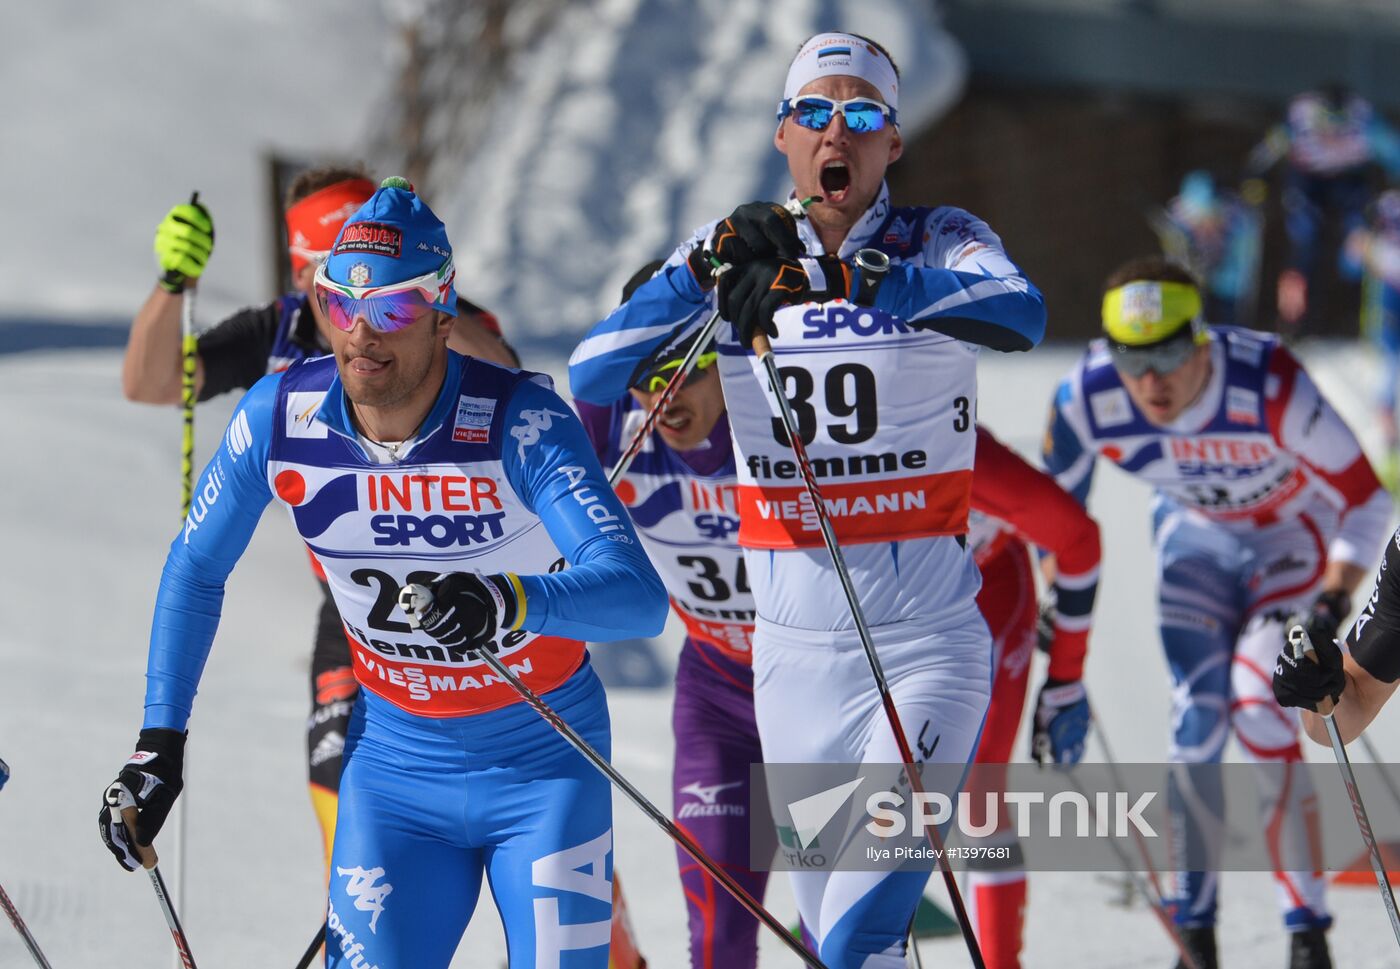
(114,112)
(623,125)
(634,122)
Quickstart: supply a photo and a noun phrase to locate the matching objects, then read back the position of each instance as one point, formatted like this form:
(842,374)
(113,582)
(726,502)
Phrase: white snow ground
(85,534)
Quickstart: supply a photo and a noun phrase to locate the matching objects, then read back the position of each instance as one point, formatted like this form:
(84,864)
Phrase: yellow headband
(1144,312)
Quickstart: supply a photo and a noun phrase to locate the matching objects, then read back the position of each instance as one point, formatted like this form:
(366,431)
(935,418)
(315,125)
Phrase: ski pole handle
(1303,648)
(147,853)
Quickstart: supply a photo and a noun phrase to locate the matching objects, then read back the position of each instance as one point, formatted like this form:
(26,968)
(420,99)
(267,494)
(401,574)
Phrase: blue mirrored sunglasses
(814,111)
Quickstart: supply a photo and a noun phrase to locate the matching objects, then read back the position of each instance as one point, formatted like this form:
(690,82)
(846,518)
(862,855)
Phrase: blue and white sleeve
(228,501)
(1063,452)
(970,289)
(610,590)
(663,309)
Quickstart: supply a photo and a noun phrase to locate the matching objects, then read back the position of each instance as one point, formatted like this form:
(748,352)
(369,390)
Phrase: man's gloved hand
(461,608)
(149,781)
(1324,618)
(755,230)
(1061,722)
(1299,682)
(751,293)
(184,242)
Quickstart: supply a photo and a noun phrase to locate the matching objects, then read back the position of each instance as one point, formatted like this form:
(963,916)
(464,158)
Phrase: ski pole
(22,929)
(188,352)
(1303,647)
(1150,891)
(9,906)
(1111,763)
(764,350)
(416,599)
(147,854)
(189,347)
(305,961)
(658,407)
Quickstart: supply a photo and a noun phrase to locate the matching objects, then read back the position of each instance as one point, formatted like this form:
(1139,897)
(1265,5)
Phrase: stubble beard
(398,389)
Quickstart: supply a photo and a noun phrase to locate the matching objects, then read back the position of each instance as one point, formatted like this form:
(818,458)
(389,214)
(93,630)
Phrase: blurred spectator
(1215,233)
(1329,140)
(1374,251)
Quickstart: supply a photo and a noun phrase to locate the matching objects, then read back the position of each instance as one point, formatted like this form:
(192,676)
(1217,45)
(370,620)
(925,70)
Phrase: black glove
(464,608)
(755,230)
(750,294)
(1299,682)
(149,781)
(1322,622)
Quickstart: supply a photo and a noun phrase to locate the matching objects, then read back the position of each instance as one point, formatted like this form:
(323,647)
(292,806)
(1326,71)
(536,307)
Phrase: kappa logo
(366,891)
(533,424)
(239,437)
(707,794)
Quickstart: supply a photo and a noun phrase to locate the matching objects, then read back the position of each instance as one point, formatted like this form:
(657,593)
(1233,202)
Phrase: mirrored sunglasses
(814,111)
(385,308)
(1160,358)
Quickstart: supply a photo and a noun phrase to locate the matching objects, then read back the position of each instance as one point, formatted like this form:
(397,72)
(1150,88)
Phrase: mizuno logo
(708,794)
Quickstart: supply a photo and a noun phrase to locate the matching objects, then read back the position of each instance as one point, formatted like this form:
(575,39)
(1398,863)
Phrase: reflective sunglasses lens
(864,116)
(812,113)
(387,313)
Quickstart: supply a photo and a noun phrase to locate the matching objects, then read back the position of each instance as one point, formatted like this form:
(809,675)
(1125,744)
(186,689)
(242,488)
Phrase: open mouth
(836,178)
(675,422)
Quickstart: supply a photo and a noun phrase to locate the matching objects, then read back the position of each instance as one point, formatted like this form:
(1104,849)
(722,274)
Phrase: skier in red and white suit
(1015,505)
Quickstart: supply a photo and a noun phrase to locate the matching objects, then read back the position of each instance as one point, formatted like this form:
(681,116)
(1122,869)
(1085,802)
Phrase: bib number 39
(848,392)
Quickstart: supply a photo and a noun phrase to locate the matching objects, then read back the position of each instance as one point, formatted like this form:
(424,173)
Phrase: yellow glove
(184,242)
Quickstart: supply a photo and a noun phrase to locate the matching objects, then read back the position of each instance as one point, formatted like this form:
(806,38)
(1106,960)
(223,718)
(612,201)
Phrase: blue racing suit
(447,774)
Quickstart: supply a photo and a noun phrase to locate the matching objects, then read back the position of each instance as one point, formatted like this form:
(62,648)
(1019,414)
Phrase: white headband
(830,55)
